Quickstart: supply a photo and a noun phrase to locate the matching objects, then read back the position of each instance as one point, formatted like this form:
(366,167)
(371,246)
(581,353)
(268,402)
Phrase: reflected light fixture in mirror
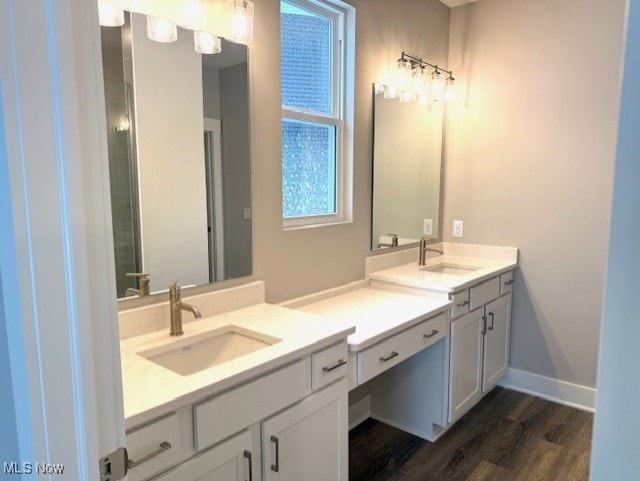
(110,15)
(208,19)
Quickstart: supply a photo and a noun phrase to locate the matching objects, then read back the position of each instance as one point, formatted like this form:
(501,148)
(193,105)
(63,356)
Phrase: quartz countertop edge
(412,275)
(377,313)
(151,391)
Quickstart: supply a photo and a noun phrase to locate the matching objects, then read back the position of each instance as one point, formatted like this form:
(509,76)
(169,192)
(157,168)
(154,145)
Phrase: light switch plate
(427,226)
(457,228)
(247,213)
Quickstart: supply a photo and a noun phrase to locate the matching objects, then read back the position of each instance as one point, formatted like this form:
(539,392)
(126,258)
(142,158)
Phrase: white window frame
(343,17)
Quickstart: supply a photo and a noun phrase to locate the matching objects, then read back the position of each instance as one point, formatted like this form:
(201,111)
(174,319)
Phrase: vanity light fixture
(210,20)
(161,30)
(110,14)
(413,83)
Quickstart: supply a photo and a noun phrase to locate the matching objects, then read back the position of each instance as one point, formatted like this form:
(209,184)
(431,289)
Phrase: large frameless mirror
(179,162)
(407,161)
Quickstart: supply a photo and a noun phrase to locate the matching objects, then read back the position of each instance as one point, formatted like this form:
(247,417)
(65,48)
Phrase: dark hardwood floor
(508,436)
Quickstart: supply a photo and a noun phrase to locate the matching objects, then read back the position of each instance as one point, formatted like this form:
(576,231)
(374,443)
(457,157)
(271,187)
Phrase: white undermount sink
(197,353)
(450,268)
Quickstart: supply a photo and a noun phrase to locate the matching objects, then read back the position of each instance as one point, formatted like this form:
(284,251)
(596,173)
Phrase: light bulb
(241,21)
(437,86)
(403,75)
(206,43)
(420,82)
(161,30)
(109,14)
(450,90)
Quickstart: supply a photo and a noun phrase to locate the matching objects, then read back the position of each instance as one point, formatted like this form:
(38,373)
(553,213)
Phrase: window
(316,112)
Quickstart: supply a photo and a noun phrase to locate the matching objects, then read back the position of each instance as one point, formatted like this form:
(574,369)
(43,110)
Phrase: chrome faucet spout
(423,249)
(176,306)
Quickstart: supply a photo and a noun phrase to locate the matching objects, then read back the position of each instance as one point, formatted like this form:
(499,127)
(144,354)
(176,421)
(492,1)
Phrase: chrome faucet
(143,284)
(176,307)
(394,241)
(423,251)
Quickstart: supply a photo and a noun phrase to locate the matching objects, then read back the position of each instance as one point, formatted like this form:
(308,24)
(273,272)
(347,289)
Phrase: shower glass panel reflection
(123,180)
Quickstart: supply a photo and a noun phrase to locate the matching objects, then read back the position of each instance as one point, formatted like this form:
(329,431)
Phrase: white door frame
(214,127)
(56,248)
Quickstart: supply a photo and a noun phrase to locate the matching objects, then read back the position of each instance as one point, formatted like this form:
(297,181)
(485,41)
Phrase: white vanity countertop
(413,275)
(377,313)
(151,390)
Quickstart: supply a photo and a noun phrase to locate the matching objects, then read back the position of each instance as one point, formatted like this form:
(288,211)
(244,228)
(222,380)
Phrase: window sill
(313,226)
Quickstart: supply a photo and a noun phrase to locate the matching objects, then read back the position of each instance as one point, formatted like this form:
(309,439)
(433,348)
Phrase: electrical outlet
(427,226)
(457,228)
(247,213)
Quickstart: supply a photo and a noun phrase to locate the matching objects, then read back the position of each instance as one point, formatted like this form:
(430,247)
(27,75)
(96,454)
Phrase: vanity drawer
(153,447)
(506,282)
(328,365)
(228,413)
(460,303)
(397,348)
(484,292)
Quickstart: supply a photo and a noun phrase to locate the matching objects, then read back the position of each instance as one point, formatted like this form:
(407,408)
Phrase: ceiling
(456,3)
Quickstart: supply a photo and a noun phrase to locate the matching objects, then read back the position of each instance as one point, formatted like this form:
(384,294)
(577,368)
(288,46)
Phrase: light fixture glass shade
(390,92)
(110,14)
(193,14)
(407,96)
(437,86)
(450,93)
(161,30)
(240,14)
(420,82)
(206,43)
(403,75)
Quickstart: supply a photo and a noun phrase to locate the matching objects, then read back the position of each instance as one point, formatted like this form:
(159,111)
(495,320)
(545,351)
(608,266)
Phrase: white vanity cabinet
(229,461)
(302,405)
(479,349)
(308,441)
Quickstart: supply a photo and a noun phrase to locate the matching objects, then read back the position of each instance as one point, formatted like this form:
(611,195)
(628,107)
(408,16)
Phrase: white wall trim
(562,392)
(359,412)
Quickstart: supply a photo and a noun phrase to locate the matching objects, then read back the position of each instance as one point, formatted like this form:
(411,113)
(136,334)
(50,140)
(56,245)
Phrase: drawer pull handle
(509,282)
(431,334)
(164,446)
(484,325)
(462,304)
(390,356)
(247,454)
(341,362)
(492,320)
(276,467)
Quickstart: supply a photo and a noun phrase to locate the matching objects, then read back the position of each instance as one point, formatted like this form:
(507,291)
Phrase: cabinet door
(308,441)
(229,461)
(465,380)
(496,341)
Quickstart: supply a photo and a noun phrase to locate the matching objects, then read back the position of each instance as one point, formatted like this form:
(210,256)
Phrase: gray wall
(529,163)
(297,262)
(236,170)
(211,92)
(615,443)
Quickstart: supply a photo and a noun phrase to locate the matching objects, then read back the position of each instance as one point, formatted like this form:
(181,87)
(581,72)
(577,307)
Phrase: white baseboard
(563,392)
